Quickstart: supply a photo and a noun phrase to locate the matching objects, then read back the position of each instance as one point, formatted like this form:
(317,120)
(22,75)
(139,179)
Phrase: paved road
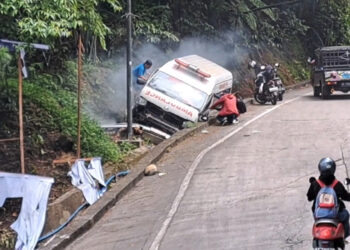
(246,193)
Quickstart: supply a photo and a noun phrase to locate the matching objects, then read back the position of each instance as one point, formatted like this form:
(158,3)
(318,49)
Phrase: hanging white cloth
(34,191)
(83,178)
(95,170)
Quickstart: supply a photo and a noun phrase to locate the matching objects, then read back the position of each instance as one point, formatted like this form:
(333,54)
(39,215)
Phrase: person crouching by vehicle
(140,71)
(140,78)
(229,111)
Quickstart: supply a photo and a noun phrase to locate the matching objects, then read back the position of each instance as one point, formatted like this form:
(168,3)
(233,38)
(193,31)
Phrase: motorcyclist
(327,169)
(268,73)
(268,76)
(229,110)
(264,74)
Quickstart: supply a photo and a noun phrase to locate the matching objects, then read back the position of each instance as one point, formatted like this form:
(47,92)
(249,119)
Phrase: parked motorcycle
(265,92)
(278,82)
(270,91)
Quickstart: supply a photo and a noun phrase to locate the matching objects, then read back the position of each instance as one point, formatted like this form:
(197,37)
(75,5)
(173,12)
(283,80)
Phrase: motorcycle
(270,91)
(265,92)
(328,234)
(278,82)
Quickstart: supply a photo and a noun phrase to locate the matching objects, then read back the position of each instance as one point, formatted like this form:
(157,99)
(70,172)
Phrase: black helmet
(148,62)
(327,166)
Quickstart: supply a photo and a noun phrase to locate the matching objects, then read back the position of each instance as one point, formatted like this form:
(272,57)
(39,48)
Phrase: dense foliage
(250,24)
(165,22)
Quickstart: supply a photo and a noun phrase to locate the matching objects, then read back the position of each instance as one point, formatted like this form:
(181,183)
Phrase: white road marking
(185,183)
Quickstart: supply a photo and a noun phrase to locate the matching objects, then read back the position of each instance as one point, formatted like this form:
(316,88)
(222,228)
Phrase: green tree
(47,20)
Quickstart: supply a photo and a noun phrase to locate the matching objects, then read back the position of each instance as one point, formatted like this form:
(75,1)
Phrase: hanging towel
(34,191)
(82,179)
(95,170)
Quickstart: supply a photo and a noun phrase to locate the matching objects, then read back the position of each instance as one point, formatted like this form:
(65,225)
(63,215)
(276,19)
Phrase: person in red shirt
(229,110)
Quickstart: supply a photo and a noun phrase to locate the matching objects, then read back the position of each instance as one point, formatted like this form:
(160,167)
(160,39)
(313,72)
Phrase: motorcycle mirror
(311,61)
(347,181)
(252,64)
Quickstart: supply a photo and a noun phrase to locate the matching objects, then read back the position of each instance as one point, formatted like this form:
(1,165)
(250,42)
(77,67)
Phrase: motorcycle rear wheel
(258,100)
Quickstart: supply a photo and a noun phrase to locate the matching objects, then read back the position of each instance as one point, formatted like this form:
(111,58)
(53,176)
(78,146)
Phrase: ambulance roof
(217,73)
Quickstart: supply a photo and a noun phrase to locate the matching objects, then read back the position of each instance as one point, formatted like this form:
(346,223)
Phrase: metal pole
(79,95)
(20,113)
(128,73)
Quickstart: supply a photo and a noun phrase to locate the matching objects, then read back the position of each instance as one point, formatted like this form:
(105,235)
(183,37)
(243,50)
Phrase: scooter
(328,234)
(265,91)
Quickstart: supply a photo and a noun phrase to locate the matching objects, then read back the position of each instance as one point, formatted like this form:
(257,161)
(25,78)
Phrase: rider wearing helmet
(268,73)
(327,169)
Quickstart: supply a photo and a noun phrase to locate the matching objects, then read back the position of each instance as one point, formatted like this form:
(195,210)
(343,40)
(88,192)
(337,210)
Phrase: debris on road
(204,131)
(253,132)
(161,174)
(151,170)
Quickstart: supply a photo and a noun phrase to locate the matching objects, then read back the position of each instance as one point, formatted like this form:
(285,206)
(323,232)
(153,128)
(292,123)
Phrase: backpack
(326,205)
(241,106)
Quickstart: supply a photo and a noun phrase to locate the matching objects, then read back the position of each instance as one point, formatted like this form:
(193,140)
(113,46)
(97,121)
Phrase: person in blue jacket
(140,71)
(139,77)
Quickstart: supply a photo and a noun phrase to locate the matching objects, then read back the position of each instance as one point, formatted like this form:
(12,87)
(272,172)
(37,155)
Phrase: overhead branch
(273,6)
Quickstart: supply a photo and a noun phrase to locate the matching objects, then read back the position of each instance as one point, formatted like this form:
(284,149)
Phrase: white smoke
(226,56)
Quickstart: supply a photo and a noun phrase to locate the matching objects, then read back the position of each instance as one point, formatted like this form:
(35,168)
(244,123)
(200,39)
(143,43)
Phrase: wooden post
(128,72)
(79,95)
(20,113)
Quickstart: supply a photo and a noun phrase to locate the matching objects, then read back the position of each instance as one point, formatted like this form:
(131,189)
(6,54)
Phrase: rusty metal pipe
(79,96)
(9,139)
(20,114)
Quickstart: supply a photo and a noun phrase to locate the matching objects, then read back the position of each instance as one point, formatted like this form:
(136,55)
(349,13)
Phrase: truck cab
(330,70)
(181,90)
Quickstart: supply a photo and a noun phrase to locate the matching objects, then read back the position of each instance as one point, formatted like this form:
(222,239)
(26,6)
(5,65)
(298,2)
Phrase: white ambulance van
(179,91)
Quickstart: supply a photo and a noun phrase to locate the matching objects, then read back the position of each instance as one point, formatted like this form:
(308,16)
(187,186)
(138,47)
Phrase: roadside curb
(92,214)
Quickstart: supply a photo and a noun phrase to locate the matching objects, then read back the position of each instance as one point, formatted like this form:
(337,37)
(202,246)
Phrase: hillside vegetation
(266,30)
